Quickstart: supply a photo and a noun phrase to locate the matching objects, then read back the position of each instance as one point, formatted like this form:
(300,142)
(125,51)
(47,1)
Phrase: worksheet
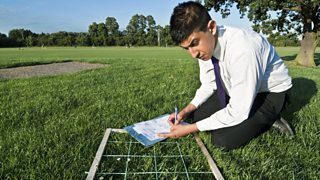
(150,128)
(146,131)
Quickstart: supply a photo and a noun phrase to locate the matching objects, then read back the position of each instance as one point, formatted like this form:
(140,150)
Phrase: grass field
(51,127)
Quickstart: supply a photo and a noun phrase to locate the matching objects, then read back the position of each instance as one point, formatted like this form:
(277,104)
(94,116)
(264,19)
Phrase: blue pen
(175,114)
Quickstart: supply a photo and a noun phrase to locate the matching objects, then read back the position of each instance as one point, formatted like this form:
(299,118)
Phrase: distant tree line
(141,31)
(283,40)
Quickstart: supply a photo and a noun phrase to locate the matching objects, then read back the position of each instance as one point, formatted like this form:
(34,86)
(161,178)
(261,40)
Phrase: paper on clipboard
(146,132)
(152,127)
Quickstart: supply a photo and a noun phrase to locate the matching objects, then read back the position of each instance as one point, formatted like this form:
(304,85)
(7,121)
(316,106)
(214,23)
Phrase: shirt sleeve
(208,84)
(246,71)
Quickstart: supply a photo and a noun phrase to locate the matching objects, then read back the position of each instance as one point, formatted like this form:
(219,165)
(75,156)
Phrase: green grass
(11,57)
(163,158)
(51,127)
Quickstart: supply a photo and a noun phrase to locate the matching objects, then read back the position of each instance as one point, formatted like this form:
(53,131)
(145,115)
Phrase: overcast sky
(76,15)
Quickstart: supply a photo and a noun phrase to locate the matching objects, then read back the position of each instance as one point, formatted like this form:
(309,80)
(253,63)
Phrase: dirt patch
(47,69)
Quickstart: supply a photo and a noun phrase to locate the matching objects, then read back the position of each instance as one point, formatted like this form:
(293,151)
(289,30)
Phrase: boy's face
(201,44)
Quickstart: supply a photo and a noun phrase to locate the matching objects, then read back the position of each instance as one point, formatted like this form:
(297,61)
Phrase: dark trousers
(265,111)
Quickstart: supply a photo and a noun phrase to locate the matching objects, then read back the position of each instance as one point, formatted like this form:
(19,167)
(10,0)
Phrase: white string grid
(166,160)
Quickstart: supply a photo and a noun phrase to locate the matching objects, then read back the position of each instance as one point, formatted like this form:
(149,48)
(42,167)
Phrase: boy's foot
(283,126)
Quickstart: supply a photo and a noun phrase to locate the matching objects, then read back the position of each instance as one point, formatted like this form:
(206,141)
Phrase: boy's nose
(194,53)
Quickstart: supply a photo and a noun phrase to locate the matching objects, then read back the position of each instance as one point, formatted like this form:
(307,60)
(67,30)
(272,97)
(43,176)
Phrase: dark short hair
(188,17)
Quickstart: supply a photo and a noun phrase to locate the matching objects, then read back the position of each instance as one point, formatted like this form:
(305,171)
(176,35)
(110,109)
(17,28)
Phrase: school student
(244,82)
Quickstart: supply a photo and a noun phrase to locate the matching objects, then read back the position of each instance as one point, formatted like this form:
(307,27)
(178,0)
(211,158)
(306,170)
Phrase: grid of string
(154,156)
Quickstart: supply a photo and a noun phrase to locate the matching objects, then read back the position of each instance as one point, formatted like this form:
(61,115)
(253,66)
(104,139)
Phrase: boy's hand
(180,130)
(171,119)
(181,115)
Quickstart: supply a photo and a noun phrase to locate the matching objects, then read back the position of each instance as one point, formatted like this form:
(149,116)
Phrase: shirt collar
(221,43)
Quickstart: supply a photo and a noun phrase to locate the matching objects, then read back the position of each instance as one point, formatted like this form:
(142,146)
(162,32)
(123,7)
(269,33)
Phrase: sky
(50,16)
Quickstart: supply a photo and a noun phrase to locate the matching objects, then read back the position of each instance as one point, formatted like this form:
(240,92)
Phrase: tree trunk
(307,49)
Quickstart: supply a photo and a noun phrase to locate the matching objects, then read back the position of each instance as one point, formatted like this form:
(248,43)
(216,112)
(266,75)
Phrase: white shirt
(248,65)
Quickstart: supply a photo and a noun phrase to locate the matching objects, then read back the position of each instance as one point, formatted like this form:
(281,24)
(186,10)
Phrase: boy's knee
(226,145)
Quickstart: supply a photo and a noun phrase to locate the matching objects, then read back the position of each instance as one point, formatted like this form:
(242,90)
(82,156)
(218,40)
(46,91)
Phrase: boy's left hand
(179,130)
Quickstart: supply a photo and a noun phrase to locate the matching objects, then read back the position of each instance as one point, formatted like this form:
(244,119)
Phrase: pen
(175,114)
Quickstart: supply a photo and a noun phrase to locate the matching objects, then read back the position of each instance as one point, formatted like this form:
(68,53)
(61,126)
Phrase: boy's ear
(212,26)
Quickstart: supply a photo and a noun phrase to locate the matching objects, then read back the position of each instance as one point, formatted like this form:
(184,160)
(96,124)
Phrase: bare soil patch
(47,69)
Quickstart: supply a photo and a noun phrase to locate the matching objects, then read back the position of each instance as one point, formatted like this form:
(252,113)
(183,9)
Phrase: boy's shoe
(283,126)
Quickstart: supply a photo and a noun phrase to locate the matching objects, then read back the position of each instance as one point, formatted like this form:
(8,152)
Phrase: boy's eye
(194,43)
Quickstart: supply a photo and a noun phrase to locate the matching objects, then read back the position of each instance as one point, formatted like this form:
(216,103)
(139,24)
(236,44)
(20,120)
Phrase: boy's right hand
(184,113)
(180,117)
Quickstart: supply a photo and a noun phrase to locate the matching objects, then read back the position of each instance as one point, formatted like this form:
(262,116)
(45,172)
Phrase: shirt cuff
(203,125)
(196,102)
(210,123)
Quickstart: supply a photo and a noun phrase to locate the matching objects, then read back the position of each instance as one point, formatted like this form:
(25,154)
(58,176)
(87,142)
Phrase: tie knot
(214,60)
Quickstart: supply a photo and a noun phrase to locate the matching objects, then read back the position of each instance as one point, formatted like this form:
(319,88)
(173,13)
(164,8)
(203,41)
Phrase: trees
(43,39)
(62,38)
(102,35)
(29,41)
(113,31)
(165,37)
(152,36)
(98,34)
(20,35)
(83,39)
(289,39)
(135,31)
(141,31)
(5,41)
(93,33)
(298,16)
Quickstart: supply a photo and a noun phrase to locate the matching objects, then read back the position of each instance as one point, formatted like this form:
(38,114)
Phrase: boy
(244,83)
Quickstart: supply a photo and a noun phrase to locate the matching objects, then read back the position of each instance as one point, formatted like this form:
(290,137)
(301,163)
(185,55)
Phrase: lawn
(51,127)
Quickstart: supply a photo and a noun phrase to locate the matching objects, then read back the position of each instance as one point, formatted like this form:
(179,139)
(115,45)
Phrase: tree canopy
(141,31)
(301,17)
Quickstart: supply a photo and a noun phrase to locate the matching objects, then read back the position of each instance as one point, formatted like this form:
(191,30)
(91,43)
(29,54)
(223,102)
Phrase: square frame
(181,167)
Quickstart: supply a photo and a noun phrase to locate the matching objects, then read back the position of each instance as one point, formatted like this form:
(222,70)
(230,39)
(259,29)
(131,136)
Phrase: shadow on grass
(291,58)
(317,58)
(302,91)
(32,63)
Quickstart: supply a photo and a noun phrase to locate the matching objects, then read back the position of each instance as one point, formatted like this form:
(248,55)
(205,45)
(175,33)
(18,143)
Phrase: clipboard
(145,131)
